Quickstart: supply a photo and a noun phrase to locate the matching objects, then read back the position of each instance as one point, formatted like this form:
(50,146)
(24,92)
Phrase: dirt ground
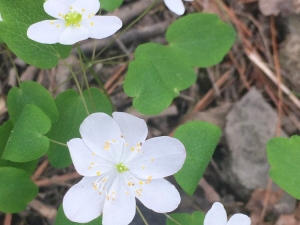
(259,78)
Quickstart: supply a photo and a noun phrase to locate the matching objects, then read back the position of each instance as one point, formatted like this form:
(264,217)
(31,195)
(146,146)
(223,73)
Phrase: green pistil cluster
(121,168)
(73,18)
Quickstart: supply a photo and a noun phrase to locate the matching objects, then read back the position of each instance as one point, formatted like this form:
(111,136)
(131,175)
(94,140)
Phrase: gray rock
(251,123)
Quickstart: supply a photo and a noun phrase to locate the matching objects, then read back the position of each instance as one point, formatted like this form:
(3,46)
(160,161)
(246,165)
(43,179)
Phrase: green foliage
(197,218)
(17,189)
(71,114)
(110,5)
(5,131)
(284,157)
(61,219)
(27,141)
(159,73)
(30,93)
(17,17)
(156,78)
(200,140)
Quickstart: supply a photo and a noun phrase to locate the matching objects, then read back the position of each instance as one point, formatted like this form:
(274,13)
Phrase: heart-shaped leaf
(284,157)
(17,189)
(30,93)
(200,140)
(5,131)
(27,141)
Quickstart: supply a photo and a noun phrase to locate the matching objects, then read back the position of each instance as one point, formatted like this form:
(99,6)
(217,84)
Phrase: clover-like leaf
(200,39)
(284,157)
(61,219)
(159,73)
(71,114)
(30,93)
(110,5)
(17,189)
(200,140)
(5,131)
(156,77)
(197,218)
(27,141)
(17,17)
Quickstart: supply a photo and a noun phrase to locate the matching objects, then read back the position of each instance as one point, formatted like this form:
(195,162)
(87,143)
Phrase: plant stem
(85,77)
(78,86)
(57,142)
(142,216)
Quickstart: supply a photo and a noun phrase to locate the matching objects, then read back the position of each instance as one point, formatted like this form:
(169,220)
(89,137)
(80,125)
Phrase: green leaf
(155,78)
(17,190)
(200,140)
(5,131)
(200,39)
(284,157)
(17,17)
(30,93)
(197,218)
(159,73)
(27,141)
(110,5)
(61,219)
(71,114)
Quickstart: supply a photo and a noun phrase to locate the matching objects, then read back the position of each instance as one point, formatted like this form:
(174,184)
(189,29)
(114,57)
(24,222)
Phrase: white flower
(76,21)
(176,6)
(1,18)
(119,165)
(217,216)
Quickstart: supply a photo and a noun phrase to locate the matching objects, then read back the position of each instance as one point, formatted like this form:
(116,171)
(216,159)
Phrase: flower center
(121,168)
(73,18)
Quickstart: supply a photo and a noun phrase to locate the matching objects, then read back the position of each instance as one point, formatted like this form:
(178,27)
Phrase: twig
(40,169)
(46,211)
(255,58)
(46,182)
(7,219)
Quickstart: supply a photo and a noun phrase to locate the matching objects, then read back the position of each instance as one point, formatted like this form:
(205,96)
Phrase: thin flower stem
(111,58)
(85,77)
(96,77)
(128,27)
(78,86)
(57,142)
(175,221)
(142,216)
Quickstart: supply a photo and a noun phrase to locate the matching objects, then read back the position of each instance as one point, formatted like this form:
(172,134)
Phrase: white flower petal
(56,8)
(73,34)
(159,195)
(85,161)
(133,129)
(98,129)
(159,157)
(216,215)
(119,210)
(102,26)
(82,203)
(239,219)
(46,32)
(87,8)
(1,18)
(68,2)
(176,6)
